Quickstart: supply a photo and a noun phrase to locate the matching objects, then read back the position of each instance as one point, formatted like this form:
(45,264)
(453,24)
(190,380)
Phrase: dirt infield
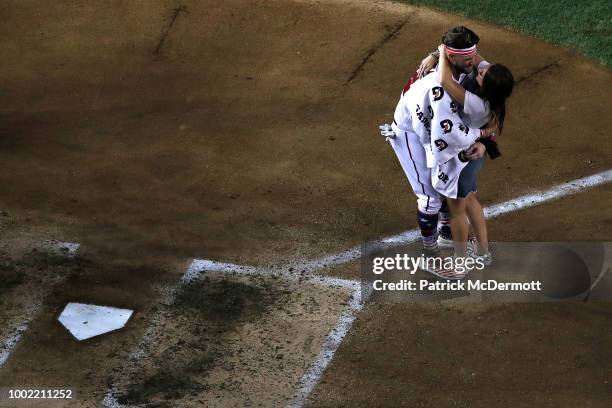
(153,132)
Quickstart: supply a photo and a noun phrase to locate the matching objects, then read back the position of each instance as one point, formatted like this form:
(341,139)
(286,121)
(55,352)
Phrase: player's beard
(461,68)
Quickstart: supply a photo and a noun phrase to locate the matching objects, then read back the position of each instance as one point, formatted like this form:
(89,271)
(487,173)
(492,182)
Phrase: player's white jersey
(430,112)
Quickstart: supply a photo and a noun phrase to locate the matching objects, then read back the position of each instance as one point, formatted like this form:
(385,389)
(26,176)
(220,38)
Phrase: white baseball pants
(411,155)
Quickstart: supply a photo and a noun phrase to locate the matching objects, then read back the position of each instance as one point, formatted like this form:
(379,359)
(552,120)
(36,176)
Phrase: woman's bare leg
(477,220)
(459,225)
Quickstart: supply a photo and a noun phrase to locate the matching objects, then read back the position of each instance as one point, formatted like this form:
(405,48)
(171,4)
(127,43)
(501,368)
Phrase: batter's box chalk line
(17,328)
(194,272)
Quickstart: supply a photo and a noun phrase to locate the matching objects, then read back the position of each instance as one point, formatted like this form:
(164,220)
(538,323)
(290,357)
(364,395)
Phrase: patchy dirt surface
(152,132)
(242,341)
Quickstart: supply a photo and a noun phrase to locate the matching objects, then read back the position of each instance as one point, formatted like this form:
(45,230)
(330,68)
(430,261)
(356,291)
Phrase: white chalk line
(516,204)
(540,197)
(288,273)
(335,337)
(18,328)
(298,270)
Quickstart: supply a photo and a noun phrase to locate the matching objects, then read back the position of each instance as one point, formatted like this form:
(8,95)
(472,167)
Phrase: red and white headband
(461,51)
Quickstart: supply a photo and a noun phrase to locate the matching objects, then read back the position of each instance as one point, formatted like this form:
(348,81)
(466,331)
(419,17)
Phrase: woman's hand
(426,65)
(475,151)
(491,128)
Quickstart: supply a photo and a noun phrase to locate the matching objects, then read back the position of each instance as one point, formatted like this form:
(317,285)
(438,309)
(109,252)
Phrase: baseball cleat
(445,242)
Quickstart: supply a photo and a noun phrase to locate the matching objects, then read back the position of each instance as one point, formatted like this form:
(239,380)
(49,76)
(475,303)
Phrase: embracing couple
(448,116)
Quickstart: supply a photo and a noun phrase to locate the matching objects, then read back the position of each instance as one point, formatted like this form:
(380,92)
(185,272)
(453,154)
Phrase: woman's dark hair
(497,85)
(460,37)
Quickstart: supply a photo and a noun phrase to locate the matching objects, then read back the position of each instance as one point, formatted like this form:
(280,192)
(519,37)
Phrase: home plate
(86,321)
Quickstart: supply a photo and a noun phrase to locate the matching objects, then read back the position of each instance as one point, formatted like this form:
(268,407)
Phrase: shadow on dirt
(204,312)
